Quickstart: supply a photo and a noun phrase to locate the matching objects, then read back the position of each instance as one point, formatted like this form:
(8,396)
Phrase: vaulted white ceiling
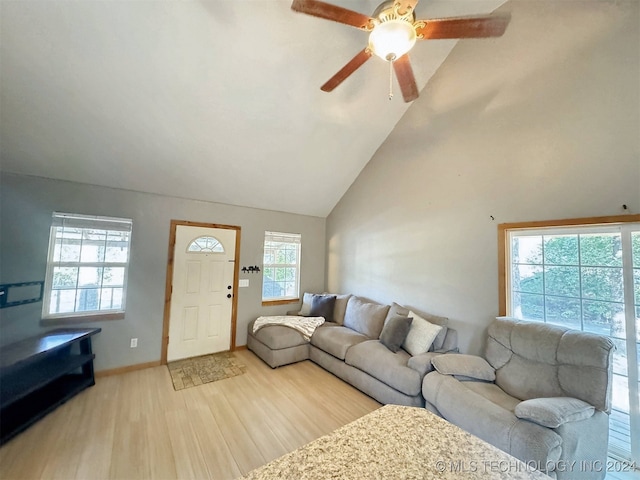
(213,100)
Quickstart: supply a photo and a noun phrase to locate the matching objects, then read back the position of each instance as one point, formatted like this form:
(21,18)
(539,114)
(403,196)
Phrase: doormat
(190,372)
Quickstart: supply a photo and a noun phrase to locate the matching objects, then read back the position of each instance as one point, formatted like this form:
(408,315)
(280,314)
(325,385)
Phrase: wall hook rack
(251,269)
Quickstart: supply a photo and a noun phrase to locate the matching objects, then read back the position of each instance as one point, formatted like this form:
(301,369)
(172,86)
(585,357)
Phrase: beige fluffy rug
(190,372)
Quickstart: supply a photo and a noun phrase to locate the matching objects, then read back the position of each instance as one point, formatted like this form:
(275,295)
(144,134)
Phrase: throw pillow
(394,332)
(464,365)
(322,306)
(306,304)
(442,321)
(421,335)
(340,308)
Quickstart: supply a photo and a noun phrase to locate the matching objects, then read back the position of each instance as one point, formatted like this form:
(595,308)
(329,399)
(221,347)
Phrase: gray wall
(541,124)
(26,204)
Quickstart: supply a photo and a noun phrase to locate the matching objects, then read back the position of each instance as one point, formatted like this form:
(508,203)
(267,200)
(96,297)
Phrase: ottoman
(277,345)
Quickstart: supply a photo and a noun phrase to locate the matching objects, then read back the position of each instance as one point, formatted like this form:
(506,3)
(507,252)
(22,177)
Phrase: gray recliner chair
(543,395)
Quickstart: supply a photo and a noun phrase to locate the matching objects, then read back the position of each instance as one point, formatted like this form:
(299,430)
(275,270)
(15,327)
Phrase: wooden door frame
(169,280)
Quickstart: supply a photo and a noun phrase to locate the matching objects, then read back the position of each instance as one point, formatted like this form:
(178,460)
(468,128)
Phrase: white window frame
(625,225)
(294,239)
(69,220)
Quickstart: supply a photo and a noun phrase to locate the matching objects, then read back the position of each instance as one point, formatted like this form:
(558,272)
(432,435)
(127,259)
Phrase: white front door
(202,291)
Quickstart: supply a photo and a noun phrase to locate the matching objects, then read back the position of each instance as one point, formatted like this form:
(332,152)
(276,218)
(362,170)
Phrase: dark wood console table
(39,373)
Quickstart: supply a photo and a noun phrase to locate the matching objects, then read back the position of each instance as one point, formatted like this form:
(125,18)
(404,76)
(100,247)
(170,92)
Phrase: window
(585,277)
(281,272)
(205,244)
(87,266)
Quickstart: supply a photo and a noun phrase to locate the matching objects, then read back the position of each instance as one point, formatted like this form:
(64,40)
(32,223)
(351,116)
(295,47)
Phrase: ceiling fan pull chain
(390,79)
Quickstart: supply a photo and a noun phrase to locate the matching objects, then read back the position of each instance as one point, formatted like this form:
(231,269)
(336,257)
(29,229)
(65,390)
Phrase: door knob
(228,287)
(228,295)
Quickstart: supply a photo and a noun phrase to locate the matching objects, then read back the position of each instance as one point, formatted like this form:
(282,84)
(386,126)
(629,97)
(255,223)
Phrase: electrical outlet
(134,342)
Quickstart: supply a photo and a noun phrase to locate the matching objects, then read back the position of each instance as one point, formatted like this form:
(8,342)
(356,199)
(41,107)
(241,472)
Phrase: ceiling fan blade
(463,27)
(347,70)
(407,81)
(328,11)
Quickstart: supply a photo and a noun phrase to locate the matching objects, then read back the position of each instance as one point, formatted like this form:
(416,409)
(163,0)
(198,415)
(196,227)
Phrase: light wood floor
(135,426)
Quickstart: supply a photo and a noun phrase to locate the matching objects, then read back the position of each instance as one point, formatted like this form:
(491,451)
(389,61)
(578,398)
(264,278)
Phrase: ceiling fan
(393,32)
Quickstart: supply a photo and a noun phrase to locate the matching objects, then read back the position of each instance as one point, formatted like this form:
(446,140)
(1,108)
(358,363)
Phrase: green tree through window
(572,280)
(585,277)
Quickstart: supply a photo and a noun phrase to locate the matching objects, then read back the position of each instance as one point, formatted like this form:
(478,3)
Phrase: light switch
(243,282)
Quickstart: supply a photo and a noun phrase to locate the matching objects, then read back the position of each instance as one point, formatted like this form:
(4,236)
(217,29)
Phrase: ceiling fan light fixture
(393,30)
(391,39)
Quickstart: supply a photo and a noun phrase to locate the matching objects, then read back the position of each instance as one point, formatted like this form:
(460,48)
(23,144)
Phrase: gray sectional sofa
(543,394)
(350,348)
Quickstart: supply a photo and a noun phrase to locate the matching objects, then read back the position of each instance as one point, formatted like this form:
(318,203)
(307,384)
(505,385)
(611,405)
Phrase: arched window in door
(205,244)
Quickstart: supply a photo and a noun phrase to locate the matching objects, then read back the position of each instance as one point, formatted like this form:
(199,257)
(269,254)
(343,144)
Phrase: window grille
(87,265)
(281,272)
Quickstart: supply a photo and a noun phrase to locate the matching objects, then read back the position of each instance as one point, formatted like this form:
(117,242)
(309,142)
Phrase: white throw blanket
(305,325)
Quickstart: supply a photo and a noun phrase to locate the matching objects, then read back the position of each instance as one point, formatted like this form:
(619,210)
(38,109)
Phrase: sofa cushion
(277,337)
(465,365)
(421,335)
(493,393)
(525,368)
(365,317)
(373,358)
(322,306)
(559,363)
(336,340)
(553,412)
(585,364)
(394,332)
(473,410)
